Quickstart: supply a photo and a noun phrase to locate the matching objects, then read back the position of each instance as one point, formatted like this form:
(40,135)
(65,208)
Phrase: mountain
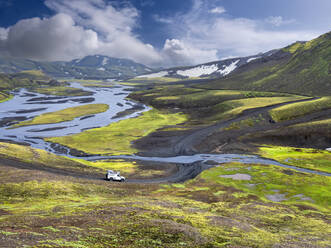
(90,67)
(214,69)
(301,68)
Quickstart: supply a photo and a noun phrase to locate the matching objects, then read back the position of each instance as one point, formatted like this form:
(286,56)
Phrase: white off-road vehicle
(114,176)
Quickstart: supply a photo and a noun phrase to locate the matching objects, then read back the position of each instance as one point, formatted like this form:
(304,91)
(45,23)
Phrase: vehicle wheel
(122,180)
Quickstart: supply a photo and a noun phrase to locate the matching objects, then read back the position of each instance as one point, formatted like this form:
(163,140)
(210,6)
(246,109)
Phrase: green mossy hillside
(41,159)
(299,109)
(206,106)
(25,79)
(303,68)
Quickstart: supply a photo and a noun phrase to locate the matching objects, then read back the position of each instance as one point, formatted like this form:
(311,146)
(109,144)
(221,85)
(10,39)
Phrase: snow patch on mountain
(198,71)
(104,61)
(101,69)
(251,59)
(154,75)
(228,69)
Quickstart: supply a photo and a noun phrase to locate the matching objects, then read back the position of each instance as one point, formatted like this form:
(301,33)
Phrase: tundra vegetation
(299,109)
(4,97)
(116,138)
(269,206)
(307,158)
(67,114)
(62,91)
(208,106)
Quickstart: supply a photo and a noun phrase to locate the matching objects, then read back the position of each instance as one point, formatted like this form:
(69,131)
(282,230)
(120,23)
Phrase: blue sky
(157,32)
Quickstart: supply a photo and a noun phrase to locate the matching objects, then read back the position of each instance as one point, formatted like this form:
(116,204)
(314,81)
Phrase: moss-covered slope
(302,68)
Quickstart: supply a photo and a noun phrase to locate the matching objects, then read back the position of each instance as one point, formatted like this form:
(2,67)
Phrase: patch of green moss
(301,157)
(6,233)
(116,138)
(294,47)
(250,122)
(62,91)
(229,109)
(295,110)
(67,114)
(270,180)
(51,229)
(4,97)
(43,158)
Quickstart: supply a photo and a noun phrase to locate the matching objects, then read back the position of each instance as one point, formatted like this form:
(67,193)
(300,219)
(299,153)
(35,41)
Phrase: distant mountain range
(90,67)
(214,69)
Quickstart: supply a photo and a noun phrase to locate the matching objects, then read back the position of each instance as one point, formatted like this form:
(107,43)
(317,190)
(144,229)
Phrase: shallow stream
(26,105)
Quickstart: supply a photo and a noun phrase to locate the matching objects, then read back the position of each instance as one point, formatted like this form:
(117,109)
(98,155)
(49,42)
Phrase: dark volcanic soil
(8,121)
(135,108)
(215,139)
(27,111)
(46,129)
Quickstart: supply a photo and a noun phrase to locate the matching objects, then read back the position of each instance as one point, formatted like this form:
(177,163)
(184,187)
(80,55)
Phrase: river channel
(26,105)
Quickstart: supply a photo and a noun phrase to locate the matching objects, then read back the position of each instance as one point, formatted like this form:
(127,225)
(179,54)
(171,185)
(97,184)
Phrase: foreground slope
(233,205)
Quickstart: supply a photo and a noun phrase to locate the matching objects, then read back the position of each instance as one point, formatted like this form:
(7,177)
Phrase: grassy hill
(90,67)
(23,79)
(36,81)
(302,68)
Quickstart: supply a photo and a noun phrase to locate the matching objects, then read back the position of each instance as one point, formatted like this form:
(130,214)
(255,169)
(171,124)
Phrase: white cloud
(149,3)
(241,36)
(81,27)
(53,38)
(218,10)
(3,33)
(87,27)
(97,15)
(232,36)
(278,21)
(163,19)
(177,52)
